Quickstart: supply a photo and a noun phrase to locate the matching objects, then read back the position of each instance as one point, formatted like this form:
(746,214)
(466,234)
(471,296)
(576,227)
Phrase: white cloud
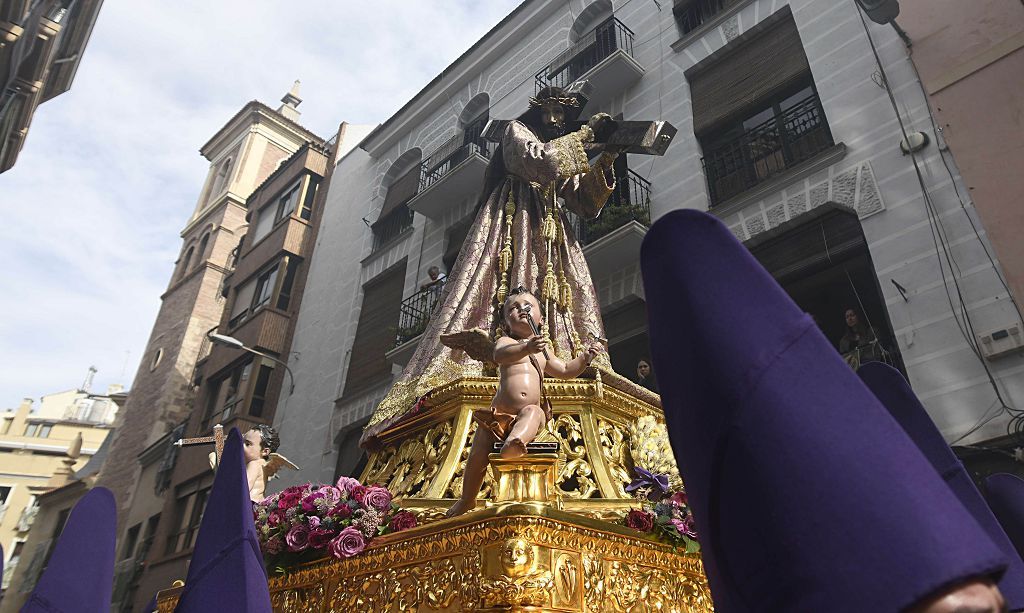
(110,171)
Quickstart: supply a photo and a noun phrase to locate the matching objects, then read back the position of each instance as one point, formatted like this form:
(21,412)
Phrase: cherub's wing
(276,462)
(477,344)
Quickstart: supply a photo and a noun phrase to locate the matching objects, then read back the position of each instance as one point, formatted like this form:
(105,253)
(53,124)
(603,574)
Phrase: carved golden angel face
(517,557)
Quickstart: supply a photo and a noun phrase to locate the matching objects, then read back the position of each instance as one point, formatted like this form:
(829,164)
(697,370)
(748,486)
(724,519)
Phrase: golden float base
(507,557)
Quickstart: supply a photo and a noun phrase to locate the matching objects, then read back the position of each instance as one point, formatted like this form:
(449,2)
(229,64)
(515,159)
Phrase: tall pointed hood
(808,496)
(889,386)
(69,583)
(226,572)
(1006,495)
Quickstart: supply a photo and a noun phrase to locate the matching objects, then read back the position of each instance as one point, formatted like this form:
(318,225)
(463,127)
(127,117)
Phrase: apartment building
(41,46)
(786,131)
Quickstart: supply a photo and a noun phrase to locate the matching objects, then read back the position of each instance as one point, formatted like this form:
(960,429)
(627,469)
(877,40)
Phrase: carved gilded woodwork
(548,538)
(423,458)
(501,558)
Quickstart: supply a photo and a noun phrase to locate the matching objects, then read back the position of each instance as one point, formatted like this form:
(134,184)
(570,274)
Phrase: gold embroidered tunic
(521,236)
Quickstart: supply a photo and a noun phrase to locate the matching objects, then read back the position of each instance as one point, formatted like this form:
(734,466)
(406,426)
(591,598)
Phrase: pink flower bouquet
(662,514)
(308,521)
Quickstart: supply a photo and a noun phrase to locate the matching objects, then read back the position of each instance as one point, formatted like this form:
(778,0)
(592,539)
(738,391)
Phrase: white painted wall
(873,177)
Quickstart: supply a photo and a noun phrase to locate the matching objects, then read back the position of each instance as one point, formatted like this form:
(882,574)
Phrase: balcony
(604,57)
(455,170)
(759,153)
(412,321)
(391,227)
(691,14)
(615,236)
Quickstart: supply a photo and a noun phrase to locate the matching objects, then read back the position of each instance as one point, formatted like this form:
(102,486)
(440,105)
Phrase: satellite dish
(880,11)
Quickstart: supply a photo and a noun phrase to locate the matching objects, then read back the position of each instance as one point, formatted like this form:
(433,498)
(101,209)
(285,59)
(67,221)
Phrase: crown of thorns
(536,103)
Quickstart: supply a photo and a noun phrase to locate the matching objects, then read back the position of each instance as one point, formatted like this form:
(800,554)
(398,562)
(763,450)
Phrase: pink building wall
(970,54)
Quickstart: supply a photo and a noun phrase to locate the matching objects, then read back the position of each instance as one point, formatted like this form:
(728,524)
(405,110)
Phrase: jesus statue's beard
(551,132)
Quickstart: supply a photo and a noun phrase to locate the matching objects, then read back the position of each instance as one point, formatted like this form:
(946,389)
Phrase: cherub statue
(517,412)
(262,461)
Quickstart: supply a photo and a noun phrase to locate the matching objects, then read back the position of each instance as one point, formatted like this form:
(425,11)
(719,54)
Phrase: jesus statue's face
(552,121)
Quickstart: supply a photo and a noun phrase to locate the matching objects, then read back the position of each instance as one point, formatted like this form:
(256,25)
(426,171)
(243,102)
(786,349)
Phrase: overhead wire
(1015,426)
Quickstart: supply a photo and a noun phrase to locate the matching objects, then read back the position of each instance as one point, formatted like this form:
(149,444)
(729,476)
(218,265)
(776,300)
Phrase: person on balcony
(520,236)
(645,376)
(437,278)
(860,343)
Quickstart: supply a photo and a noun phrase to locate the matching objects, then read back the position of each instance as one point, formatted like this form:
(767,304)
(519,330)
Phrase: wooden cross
(217,440)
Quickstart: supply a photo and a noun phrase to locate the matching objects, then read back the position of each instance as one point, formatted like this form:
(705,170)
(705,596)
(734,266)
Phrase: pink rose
(640,520)
(348,543)
(273,546)
(377,497)
(679,499)
(309,502)
(403,520)
(313,521)
(332,495)
(318,539)
(357,493)
(340,511)
(345,484)
(297,538)
(275,517)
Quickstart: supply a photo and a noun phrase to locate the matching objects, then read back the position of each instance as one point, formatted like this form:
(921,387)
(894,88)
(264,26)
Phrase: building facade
(41,449)
(786,131)
(238,388)
(41,46)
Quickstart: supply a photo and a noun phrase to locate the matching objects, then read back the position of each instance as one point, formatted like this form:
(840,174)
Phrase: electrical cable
(1016,424)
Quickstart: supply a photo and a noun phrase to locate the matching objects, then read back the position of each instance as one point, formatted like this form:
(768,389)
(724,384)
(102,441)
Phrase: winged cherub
(259,449)
(517,412)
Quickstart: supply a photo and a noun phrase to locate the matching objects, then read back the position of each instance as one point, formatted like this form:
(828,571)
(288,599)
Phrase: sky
(110,171)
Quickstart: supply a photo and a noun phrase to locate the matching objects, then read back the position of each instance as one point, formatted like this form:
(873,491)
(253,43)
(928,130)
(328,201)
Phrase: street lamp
(232,342)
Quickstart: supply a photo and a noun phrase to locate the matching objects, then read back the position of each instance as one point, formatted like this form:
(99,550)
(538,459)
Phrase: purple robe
(889,386)
(807,495)
(1006,497)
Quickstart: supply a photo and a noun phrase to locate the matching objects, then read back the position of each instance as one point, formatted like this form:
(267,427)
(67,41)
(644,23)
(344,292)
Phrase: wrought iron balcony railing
(448,156)
(415,313)
(691,14)
(395,223)
(765,150)
(589,51)
(631,201)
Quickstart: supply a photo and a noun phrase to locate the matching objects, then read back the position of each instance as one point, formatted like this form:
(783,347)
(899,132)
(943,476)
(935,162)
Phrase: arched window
(589,18)
(403,182)
(202,248)
(473,119)
(220,182)
(186,261)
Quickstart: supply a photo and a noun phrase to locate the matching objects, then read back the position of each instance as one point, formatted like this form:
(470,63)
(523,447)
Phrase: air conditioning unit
(1002,342)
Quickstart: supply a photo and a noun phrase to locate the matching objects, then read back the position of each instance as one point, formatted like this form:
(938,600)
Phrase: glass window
(259,391)
(30,429)
(285,294)
(264,223)
(286,203)
(264,288)
(44,431)
(5,491)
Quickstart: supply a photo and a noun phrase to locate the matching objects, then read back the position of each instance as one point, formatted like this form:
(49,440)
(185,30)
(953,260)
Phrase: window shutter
(752,67)
(376,330)
(243,298)
(403,188)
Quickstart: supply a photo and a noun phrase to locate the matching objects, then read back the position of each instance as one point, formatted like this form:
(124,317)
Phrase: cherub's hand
(593,350)
(537,343)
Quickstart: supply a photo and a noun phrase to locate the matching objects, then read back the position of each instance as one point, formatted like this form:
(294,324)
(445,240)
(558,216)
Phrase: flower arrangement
(663,513)
(650,448)
(303,521)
